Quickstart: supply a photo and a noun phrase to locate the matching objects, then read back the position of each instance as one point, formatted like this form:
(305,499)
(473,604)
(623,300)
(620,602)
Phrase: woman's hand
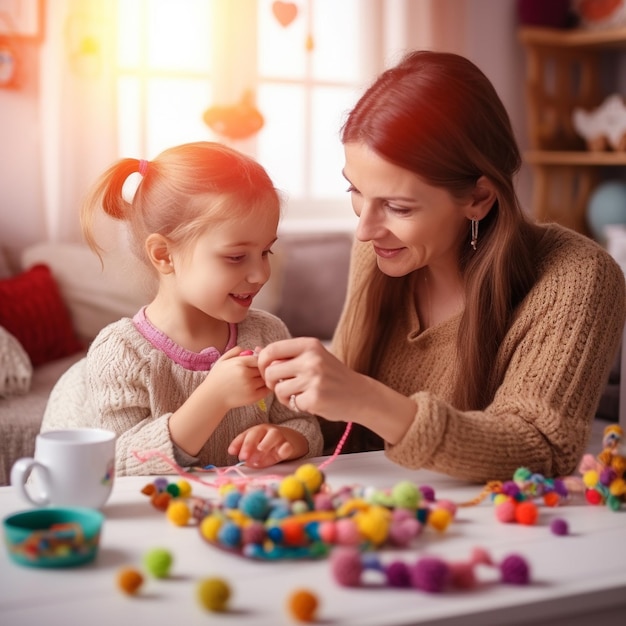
(266,444)
(324,386)
(303,367)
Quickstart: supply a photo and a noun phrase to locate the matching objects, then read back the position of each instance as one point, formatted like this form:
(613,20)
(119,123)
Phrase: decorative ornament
(238,121)
(284,12)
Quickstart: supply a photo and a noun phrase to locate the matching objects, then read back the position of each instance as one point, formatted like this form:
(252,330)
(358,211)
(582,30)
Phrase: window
(176,58)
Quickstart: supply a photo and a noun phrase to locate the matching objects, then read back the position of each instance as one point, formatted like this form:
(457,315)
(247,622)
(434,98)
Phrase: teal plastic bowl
(53,537)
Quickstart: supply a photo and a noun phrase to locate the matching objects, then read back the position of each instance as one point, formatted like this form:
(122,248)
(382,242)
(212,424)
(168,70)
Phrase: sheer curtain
(77,96)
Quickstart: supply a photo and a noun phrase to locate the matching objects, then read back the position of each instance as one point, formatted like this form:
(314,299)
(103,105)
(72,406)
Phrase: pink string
(222,472)
(338,448)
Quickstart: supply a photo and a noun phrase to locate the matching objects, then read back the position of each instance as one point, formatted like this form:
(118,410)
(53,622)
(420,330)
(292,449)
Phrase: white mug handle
(20,472)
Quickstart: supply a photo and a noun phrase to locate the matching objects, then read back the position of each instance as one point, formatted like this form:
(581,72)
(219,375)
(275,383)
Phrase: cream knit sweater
(127,385)
(552,367)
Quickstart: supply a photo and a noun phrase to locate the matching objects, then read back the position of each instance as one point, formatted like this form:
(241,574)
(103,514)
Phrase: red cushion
(32,310)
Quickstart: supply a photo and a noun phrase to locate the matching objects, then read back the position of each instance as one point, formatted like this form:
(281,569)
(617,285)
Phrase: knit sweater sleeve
(118,379)
(550,372)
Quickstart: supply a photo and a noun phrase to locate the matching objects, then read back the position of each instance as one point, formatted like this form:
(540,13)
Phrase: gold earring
(474,240)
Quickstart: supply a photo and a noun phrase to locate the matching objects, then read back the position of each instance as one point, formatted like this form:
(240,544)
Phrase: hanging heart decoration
(284,12)
(237,121)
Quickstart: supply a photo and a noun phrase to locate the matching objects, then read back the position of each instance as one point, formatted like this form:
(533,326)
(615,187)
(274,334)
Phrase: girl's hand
(267,444)
(235,380)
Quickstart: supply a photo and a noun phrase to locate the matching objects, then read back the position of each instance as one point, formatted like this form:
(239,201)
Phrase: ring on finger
(293,405)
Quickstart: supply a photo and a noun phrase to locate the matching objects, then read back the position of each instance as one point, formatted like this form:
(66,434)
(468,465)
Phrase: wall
(485,32)
(20,172)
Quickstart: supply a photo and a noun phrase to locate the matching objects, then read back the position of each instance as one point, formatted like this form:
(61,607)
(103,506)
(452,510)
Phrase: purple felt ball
(510,488)
(515,571)
(161,483)
(346,566)
(398,574)
(607,476)
(428,493)
(430,574)
(559,526)
(560,487)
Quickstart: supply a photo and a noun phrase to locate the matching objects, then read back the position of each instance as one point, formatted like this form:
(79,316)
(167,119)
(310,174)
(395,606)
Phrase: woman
(472,341)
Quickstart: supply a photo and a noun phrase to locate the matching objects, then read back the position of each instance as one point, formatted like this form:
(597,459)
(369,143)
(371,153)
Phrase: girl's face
(411,224)
(227,265)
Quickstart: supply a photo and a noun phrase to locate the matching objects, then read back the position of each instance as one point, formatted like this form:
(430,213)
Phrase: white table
(577,579)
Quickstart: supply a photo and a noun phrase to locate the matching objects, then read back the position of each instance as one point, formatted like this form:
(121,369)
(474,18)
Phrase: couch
(60,296)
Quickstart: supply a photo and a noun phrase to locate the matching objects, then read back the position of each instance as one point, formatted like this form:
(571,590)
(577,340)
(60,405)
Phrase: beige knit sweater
(552,368)
(126,385)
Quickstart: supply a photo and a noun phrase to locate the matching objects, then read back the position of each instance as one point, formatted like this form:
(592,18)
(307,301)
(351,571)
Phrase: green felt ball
(158,562)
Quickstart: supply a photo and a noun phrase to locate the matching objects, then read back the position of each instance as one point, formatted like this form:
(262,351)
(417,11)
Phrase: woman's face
(410,224)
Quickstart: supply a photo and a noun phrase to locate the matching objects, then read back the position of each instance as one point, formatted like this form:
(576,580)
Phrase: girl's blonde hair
(436,114)
(183,190)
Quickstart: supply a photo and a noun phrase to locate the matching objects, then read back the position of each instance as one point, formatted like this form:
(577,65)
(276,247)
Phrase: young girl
(181,377)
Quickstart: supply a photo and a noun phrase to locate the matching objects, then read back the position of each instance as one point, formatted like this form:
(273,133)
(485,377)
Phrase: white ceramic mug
(73,467)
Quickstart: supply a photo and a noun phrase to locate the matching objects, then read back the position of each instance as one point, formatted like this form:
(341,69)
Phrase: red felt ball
(551,498)
(293,533)
(526,512)
(593,497)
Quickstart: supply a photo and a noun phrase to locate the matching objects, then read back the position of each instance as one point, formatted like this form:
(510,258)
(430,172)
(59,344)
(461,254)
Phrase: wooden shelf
(574,38)
(567,157)
(562,74)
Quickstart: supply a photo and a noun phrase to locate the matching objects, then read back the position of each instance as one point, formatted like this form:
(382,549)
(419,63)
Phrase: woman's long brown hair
(437,114)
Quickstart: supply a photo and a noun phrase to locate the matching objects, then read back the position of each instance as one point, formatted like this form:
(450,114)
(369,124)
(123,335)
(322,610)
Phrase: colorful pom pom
(129,580)
(559,526)
(398,574)
(302,605)
(440,519)
(311,476)
(505,510)
(158,562)
(526,512)
(178,512)
(406,495)
(291,488)
(346,567)
(515,570)
(430,574)
(214,594)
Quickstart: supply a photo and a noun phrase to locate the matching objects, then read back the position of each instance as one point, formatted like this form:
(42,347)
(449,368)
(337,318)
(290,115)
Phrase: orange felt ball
(161,500)
(526,512)
(293,533)
(302,605)
(551,498)
(129,580)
